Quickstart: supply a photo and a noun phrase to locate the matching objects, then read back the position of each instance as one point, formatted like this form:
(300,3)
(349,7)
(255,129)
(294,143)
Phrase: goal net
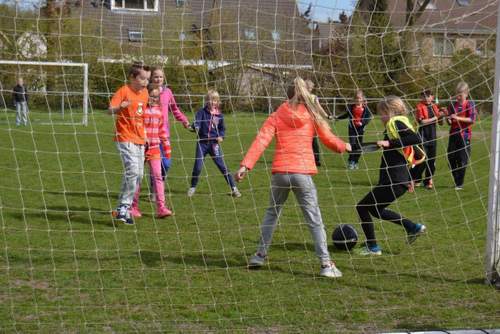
(67,266)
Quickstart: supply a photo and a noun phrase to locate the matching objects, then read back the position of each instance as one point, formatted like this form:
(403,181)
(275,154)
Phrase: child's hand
(124,104)
(186,125)
(240,174)
(383,143)
(220,139)
(348,147)
(453,116)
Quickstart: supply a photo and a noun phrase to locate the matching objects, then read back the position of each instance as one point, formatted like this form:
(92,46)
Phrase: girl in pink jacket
(293,168)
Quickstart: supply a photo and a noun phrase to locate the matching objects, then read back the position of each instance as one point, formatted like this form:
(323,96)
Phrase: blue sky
(324,9)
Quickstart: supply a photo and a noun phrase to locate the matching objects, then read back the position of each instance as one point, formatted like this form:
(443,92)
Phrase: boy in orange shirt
(129,103)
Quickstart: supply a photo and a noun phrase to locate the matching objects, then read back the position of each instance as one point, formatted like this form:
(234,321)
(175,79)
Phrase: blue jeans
(21,113)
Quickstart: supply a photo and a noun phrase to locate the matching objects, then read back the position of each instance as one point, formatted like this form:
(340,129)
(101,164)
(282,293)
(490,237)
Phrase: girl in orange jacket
(294,124)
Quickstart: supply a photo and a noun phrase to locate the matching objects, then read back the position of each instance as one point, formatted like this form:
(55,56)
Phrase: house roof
(281,34)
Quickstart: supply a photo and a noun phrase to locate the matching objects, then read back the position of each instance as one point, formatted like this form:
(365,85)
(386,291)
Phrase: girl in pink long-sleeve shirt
(155,137)
(167,105)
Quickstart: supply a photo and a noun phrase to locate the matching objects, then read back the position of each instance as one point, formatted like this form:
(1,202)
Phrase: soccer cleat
(459,188)
(256,261)
(351,165)
(419,230)
(165,212)
(356,166)
(429,185)
(191,191)
(330,270)
(129,220)
(121,213)
(135,212)
(370,250)
(235,193)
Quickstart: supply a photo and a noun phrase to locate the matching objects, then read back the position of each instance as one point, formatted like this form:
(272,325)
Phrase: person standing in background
(20,98)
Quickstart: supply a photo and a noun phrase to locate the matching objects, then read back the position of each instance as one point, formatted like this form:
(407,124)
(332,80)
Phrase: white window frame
(463,4)
(442,52)
(180,3)
(182,36)
(276,36)
(250,34)
(135,39)
(144,8)
(430,6)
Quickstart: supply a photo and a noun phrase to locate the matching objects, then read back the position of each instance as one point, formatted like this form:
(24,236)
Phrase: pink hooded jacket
(167,103)
(294,131)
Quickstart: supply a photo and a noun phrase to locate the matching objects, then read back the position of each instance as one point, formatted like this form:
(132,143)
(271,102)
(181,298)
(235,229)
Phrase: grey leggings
(305,191)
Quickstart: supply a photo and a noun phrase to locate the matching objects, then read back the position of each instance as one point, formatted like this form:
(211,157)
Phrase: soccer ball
(344,237)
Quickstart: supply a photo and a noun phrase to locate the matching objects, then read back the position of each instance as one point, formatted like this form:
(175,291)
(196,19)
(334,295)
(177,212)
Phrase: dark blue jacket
(365,118)
(207,126)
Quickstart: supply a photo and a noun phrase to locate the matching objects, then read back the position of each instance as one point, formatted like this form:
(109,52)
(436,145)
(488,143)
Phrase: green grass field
(65,267)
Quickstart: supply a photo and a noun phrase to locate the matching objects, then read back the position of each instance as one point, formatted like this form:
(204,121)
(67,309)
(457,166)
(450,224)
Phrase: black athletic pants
(429,165)
(375,204)
(459,151)
(356,140)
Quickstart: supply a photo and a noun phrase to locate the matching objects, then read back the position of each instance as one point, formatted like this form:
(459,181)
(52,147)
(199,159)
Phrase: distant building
(446,26)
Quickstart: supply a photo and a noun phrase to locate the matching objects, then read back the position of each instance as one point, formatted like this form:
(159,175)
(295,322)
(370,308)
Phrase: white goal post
(492,262)
(85,67)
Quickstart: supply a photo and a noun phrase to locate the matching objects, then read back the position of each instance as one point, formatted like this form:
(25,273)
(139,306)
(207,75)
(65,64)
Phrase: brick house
(257,36)
(446,26)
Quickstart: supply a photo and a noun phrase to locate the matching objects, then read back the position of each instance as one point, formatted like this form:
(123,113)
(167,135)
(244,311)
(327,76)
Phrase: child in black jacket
(398,154)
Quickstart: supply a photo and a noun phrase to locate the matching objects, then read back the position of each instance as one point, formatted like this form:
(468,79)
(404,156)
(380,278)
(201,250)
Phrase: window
(485,48)
(249,33)
(135,36)
(443,46)
(139,5)
(430,6)
(180,3)
(276,36)
(463,3)
(182,36)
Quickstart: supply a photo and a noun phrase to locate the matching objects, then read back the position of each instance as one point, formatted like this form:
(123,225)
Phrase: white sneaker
(235,193)
(330,270)
(256,261)
(191,191)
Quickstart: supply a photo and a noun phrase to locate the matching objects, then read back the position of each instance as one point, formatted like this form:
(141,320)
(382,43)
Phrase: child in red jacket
(427,116)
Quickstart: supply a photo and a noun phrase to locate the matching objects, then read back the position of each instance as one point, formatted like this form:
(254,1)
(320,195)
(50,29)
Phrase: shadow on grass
(63,215)
(154,259)
(96,194)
